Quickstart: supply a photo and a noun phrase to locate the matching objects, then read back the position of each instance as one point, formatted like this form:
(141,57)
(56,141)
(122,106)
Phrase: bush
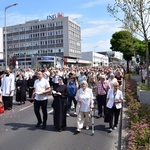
(144,86)
(139,115)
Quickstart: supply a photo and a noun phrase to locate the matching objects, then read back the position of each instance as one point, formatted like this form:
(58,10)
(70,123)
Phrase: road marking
(26,107)
(50,111)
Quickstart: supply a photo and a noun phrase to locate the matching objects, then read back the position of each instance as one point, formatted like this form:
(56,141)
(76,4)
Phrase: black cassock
(21,94)
(60,107)
(30,84)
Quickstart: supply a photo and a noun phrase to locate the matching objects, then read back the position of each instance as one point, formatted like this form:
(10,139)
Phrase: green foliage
(122,41)
(144,86)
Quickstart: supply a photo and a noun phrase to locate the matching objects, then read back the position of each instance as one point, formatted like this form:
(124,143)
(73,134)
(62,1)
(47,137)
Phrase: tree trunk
(147,61)
(128,70)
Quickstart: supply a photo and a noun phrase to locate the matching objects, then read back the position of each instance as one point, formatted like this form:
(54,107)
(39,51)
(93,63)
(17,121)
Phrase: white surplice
(8,84)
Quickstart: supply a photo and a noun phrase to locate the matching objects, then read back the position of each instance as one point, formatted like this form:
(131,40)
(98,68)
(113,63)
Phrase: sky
(97,26)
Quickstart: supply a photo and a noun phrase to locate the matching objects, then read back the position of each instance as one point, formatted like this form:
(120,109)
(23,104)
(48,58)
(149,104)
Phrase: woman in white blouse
(114,104)
(84,97)
(112,80)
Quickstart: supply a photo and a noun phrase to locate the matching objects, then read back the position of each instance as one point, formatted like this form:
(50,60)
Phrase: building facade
(1,43)
(96,58)
(57,36)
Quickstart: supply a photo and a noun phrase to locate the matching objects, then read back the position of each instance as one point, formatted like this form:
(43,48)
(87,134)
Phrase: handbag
(118,105)
(107,116)
(1,108)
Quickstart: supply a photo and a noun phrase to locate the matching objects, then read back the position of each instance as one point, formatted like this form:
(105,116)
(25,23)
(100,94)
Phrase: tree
(122,41)
(135,19)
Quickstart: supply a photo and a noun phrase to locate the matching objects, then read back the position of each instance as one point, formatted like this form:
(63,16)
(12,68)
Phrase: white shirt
(81,79)
(40,86)
(26,75)
(46,75)
(111,82)
(55,79)
(86,98)
(112,97)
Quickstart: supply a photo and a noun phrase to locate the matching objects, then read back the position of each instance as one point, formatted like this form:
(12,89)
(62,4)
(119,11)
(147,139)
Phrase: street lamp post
(76,48)
(94,54)
(6,32)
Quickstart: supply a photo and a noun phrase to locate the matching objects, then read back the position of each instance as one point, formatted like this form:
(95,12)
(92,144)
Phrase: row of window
(77,43)
(35,35)
(35,27)
(71,24)
(35,43)
(72,33)
(74,51)
(37,52)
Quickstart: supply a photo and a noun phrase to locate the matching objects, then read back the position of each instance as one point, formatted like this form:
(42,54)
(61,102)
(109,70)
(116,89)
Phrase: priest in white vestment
(8,87)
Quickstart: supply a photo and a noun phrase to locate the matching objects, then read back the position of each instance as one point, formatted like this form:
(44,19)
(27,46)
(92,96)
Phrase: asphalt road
(18,132)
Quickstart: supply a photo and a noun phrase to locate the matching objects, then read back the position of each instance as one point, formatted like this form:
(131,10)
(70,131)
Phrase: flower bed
(139,119)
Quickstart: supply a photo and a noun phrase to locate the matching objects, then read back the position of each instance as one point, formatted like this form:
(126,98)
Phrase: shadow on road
(17,126)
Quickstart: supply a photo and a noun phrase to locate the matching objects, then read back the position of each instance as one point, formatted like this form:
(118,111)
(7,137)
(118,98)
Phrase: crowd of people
(75,86)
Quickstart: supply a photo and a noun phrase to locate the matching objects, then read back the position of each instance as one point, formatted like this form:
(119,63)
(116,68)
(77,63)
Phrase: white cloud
(17,18)
(101,22)
(95,3)
(99,30)
(103,45)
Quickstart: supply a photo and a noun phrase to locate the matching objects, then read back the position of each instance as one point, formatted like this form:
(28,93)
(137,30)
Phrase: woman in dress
(30,85)
(84,97)
(60,105)
(114,104)
(20,90)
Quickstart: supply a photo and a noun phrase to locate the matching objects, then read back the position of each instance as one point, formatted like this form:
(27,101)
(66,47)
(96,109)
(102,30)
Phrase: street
(18,132)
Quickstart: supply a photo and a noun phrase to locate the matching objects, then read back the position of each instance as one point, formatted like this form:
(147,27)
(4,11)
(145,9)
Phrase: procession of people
(74,87)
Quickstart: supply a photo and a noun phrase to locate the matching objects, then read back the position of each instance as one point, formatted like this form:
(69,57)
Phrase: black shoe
(9,108)
(99,116)
(60,130)
(38,124)
(76,132)
(63,128)
(43,127)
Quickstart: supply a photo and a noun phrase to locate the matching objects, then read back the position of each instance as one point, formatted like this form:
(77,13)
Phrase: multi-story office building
(1,43)
(44,41)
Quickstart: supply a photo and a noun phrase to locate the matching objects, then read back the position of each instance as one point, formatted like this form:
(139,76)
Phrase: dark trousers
(30,92)
(70,99)
(8,101)
(51,82)
(113,112)
(101,101)
(43,105)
